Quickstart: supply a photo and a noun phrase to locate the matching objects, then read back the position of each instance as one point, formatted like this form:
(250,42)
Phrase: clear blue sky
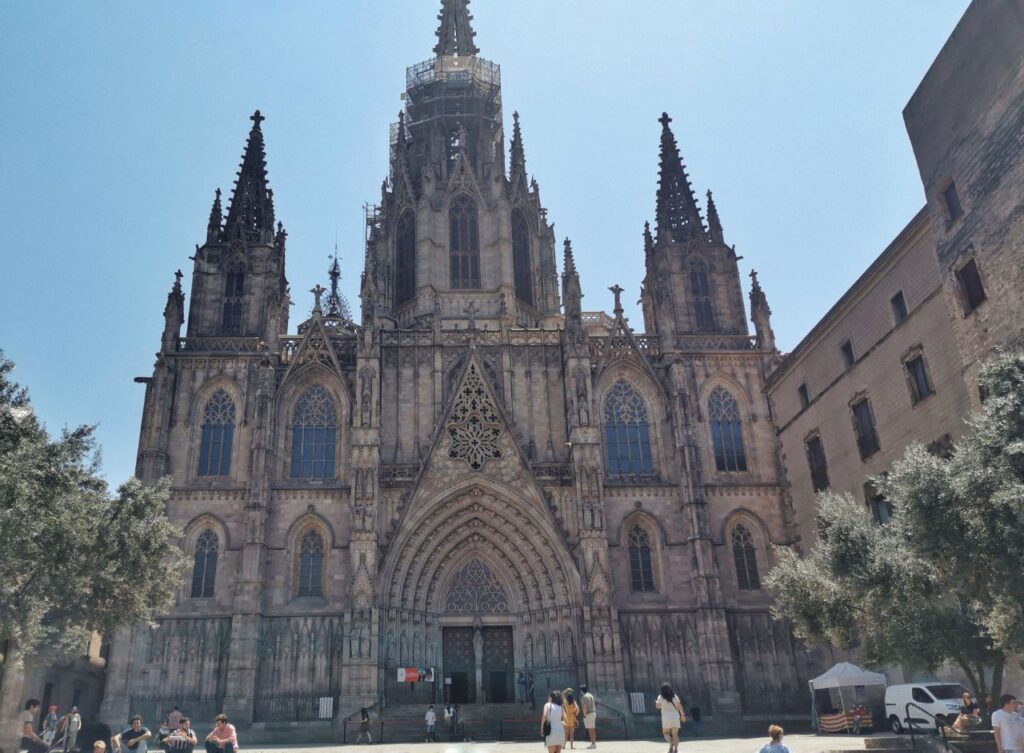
(118,120)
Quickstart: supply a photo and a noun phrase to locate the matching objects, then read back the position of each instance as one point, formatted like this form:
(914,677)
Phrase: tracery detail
(217,434)
(314,430)
(745,555)
(475,424)
(475,590)
(726,432)
(627,436)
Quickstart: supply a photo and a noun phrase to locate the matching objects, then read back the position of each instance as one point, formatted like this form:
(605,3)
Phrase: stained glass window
(218,431)
(726,432)
(640,560)
(700,289)
(405,267)
(464,243)
(311,564)
(627,439)
(745,556)
(204,566)
(522,272)
(314,428)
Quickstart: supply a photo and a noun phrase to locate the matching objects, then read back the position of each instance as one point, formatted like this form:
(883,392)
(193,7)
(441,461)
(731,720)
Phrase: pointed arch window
(641,574)
(627,437)
(464,243)
(405,253)
(521,268)
(311,565)
(745,555)
(726,431)
(314,430)
(234,290)
(204,565)
(218,431)
(700,290)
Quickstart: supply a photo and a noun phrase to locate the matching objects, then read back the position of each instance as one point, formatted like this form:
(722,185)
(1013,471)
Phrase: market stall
(844,678)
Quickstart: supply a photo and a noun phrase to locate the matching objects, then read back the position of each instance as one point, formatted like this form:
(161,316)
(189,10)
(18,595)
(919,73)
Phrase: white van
(931,704)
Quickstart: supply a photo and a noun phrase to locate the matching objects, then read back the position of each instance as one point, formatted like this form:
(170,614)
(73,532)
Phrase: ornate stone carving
(475,591)
(474,425)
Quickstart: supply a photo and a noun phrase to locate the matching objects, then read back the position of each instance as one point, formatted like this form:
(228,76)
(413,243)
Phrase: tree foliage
(943,580)
(73,557)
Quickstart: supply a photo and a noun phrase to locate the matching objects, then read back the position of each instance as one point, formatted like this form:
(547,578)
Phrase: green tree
(75,558)
(943,580)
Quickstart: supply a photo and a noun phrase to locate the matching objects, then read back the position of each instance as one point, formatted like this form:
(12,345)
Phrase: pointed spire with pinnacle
(455,33)
(337,305)
(213,227)
(714,224)
(760,314)
(648,243)
(518,152)
(251,213)
(174,315)
(678,217)
(572,296)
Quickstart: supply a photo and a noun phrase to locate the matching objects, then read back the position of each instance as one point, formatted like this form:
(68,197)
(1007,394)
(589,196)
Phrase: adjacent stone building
(477,475)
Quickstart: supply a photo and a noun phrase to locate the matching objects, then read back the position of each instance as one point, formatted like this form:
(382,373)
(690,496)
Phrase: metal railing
(295,707)
(939,728)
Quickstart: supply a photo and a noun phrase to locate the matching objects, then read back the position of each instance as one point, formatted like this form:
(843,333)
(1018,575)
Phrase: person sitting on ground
(183,739)
(774,745)
(222,738)
(134,739)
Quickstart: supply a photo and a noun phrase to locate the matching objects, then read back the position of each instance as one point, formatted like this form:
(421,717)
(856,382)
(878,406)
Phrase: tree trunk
(976,680)
(997,677)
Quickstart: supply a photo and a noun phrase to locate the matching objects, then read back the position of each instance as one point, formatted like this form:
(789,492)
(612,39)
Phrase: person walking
(50,725)
(1003,722)
(222,738)
(552,723)
(364,726)
(431,719)
(571,710)
(72,724)
(30,741)
(774,744)
(672,715)
(589,708)
(134,739)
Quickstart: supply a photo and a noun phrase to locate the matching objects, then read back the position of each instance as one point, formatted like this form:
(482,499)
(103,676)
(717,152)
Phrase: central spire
(455,33)
(678,216)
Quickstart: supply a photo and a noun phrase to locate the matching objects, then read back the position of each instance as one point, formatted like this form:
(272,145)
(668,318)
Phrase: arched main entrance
(480,586)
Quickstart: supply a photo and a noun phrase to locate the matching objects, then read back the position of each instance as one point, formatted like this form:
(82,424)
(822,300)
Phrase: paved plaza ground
(797,744)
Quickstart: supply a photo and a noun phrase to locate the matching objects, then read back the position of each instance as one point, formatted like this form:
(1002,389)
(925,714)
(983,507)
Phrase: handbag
(546,727)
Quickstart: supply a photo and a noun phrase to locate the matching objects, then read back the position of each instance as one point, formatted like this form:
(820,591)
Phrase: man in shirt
(30,741)
(134,739)
(222,738)
(431,719)
(589,708)
(1003,724)
(72,724)
(183,739)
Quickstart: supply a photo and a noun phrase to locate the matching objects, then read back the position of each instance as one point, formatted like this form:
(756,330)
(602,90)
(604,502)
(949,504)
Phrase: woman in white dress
(672,716)
(553,717)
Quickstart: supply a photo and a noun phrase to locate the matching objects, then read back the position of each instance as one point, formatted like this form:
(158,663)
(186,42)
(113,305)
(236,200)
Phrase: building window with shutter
(818,465)
(951,199)
(917,379)
(899,307)
(805,398)
(864,428)
(969,287)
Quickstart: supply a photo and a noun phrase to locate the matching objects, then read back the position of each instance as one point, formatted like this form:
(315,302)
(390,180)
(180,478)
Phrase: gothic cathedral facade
(475,474)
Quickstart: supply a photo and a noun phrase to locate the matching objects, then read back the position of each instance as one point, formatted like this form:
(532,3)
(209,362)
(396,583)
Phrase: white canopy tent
(842,675)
